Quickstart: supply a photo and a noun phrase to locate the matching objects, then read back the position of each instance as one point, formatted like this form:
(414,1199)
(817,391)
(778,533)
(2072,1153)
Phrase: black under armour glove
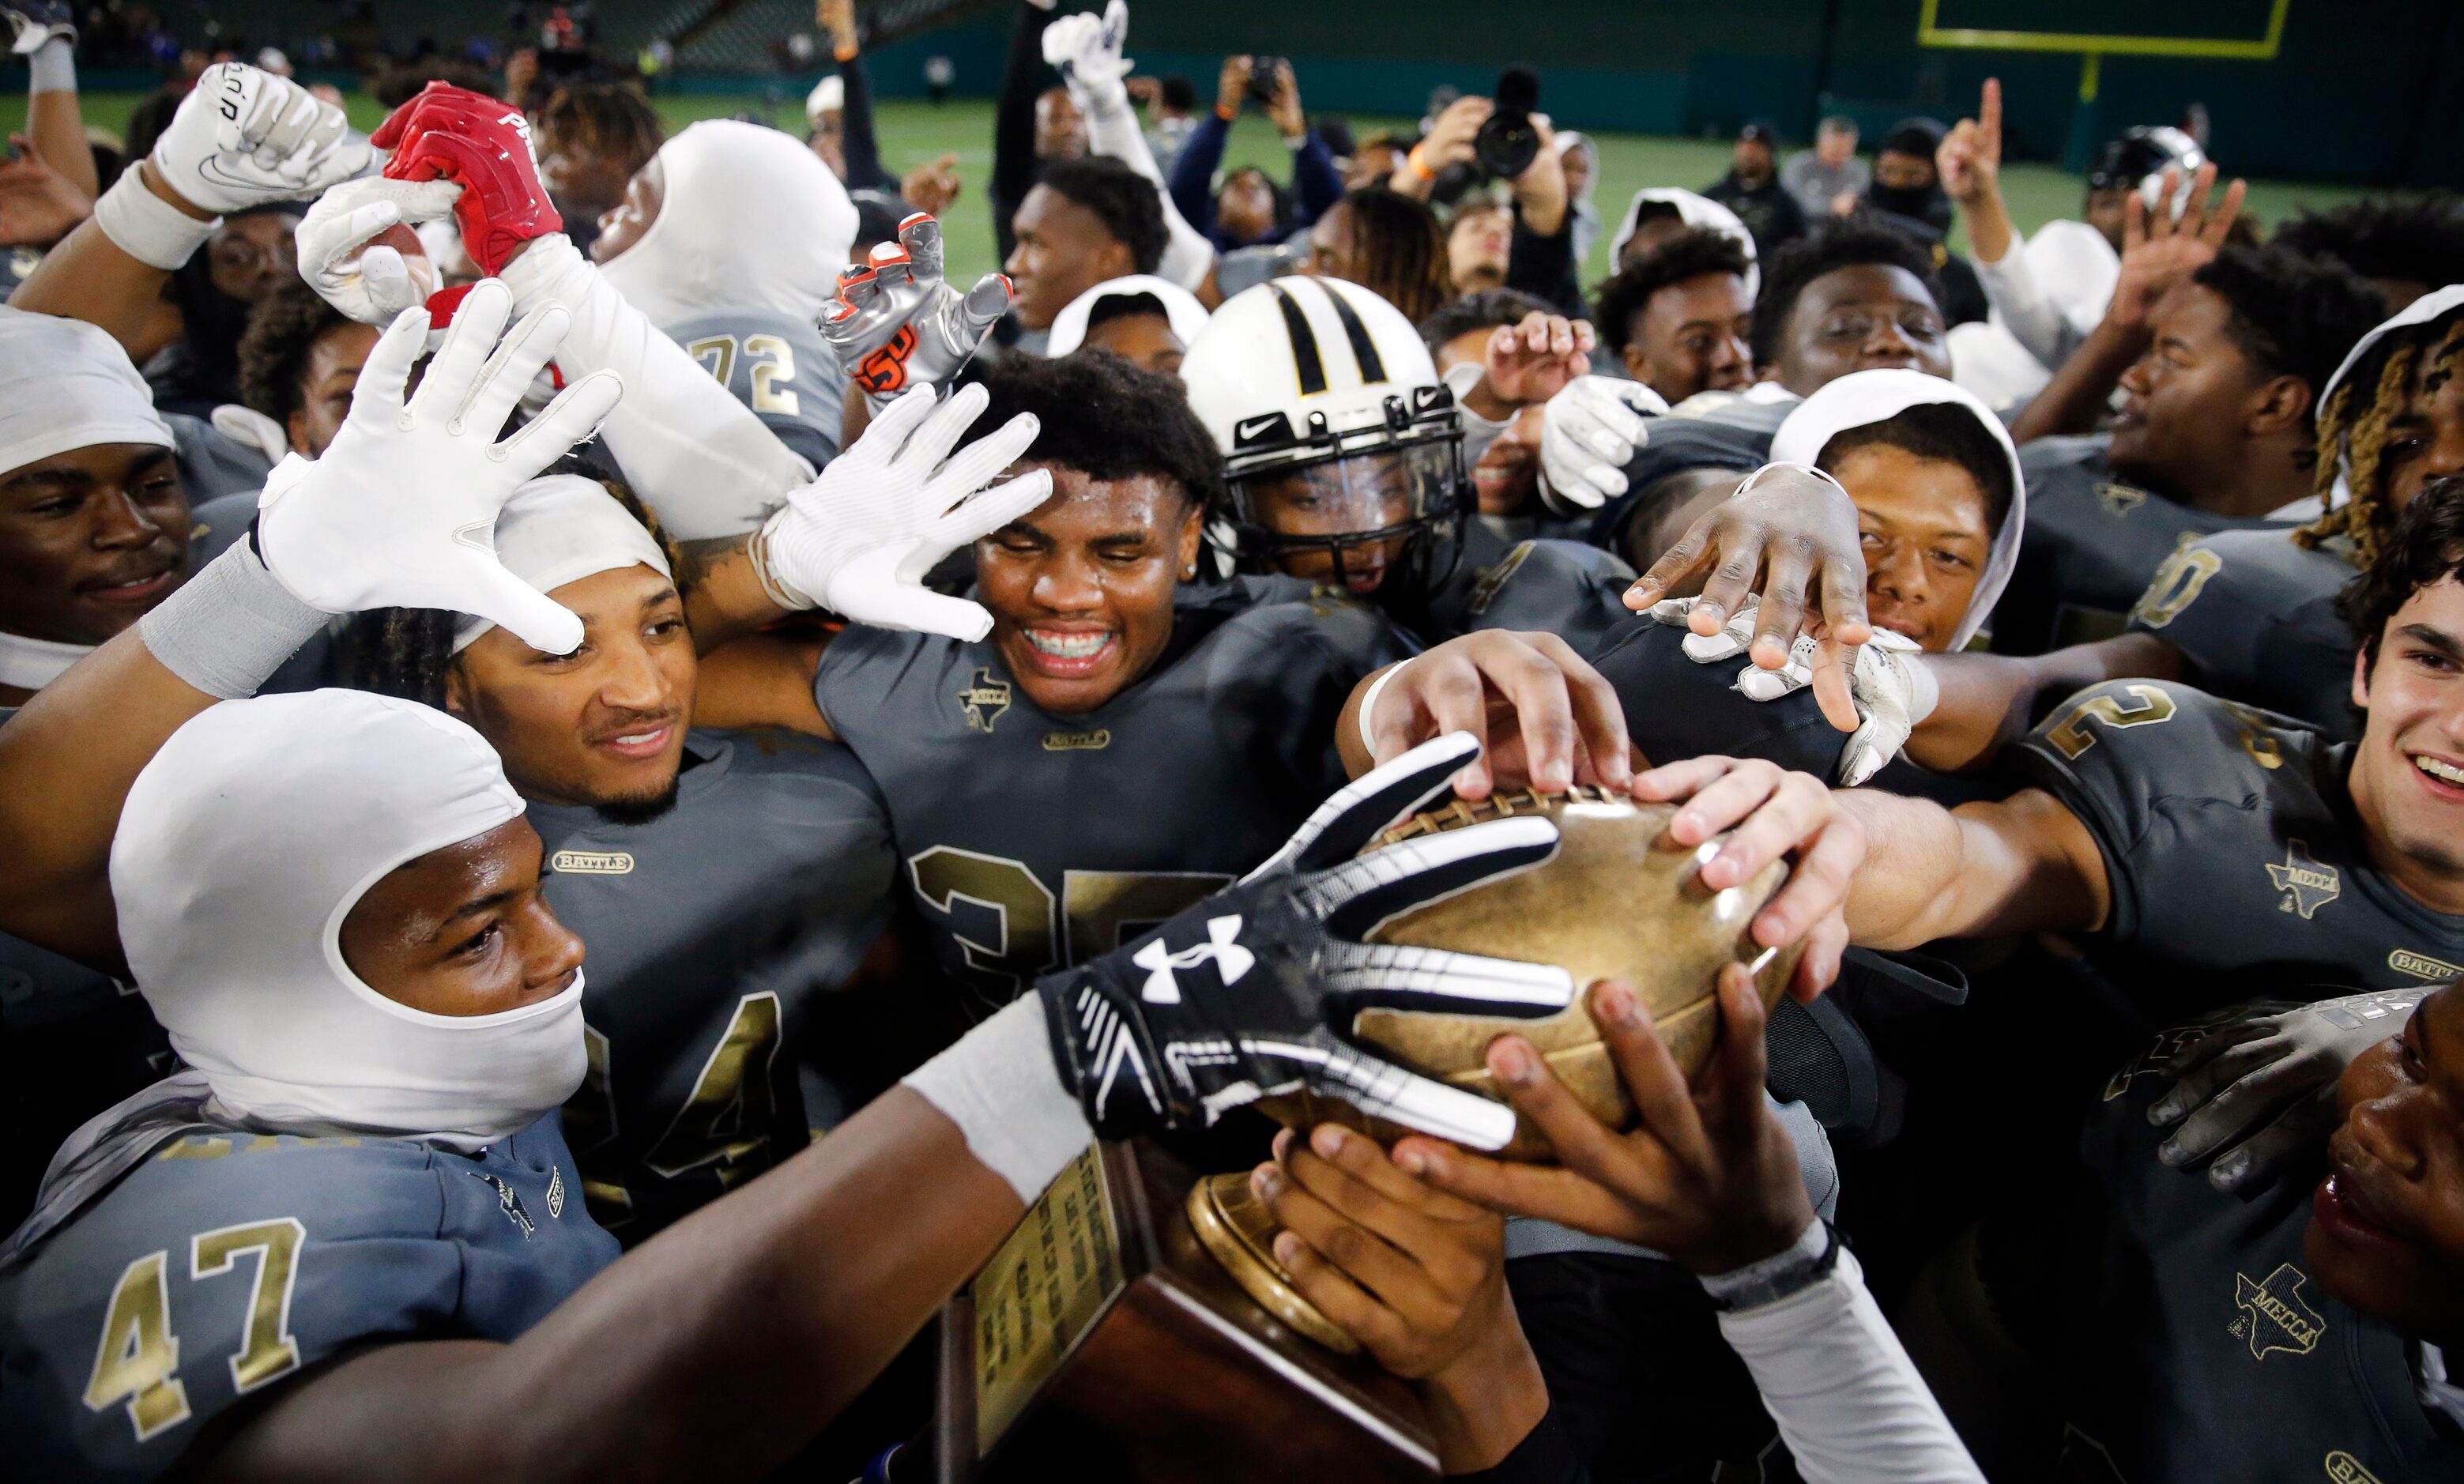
(2265,1083)
(1239,998)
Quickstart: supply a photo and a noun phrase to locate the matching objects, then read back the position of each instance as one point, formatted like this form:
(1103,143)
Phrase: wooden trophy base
(1102,1341)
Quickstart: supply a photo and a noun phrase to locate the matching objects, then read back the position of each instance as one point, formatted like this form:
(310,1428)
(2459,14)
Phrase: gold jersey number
(137,1363)
(1034,928)
(773,365)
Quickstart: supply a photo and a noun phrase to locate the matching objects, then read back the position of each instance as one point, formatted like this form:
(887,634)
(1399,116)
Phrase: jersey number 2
(2071,734)
(137,1361)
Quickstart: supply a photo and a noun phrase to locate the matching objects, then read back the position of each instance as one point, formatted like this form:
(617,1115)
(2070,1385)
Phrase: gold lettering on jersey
(2258,735)
(2421,966)
(1485,589)
(1042,1291)
(2071,736)
(2176,585)
(591,862)
(2273,1315)
(1094,741)
(2308,885)
(984,701)
(2342,1467)
(2119,499)
(268,1349)
(196,1146)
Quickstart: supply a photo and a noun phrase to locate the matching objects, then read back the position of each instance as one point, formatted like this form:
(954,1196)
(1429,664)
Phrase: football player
(1501,431)
(1680,318)
(2405,249)
(2217,432)
(1084,221)
(1146,321)
(381,1013)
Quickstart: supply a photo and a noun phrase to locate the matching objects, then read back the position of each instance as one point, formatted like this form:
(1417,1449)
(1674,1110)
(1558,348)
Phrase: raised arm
(241,138)
(1088,51)
(859,142)
(46,38)
(1014,121)
(372,523)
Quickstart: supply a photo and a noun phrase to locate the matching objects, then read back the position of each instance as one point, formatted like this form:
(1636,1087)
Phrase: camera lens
(1506,144)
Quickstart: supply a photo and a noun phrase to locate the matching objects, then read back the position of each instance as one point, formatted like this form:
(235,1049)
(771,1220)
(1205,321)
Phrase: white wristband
(1803,468)
(999,1085)
(146,227)
(1369,704)
(51,68)
(230,627)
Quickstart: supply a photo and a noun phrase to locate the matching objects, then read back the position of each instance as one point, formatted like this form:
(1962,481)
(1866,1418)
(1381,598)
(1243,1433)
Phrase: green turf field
(913,132)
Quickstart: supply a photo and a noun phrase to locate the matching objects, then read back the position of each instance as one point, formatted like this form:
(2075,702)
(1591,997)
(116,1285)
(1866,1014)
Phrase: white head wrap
(1694,210)
(243,845)
(2420,312)
(561,529)
(1864,398)
(1572,139)
(828,96)
(65,384)
(1068,332)
(750,219)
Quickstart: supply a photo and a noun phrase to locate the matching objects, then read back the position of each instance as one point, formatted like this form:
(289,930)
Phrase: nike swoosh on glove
(400,512)
(1589,434)
(1239,998)
(244,137)
(483,144)
(859,540)
(1892,689)
(896,325)
(340,258)
(2266,1084)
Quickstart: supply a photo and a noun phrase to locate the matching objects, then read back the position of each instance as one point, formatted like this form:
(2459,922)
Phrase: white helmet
(1337,437)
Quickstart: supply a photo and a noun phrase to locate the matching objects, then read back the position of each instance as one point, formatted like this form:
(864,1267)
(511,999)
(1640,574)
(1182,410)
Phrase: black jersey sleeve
(1676,445)
(2255,617)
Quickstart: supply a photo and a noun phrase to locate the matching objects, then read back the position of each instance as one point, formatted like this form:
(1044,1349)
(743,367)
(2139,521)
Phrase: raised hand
(1242,996)
(2161,253)
(896,325)
(400,510)
(357,251)
(931,187)
(1588,435)
(1535,360)
(1970,156)
(38,205)
(243,138)
(1086,49)
(482,144)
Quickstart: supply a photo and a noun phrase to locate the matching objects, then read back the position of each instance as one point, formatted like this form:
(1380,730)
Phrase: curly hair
(1121,198)
(2416,241)
(409,652)
(1106,418)
(605,117)
(2423,546)
(1844,242)
(2353,432)
(1486,310)
(1398,251)
(1620,301)
(2293,315)
(282,331)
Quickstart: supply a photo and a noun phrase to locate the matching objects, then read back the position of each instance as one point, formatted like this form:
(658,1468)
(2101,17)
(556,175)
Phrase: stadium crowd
(606,778)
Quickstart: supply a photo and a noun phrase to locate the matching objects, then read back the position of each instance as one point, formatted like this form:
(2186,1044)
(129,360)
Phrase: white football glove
(360,277)
(859,540)
(401,510)
(1588,435)
(243,138)
(1088,49)
(1893,691)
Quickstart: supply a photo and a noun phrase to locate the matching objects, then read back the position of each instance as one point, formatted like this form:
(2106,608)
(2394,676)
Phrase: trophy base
(1238,1232)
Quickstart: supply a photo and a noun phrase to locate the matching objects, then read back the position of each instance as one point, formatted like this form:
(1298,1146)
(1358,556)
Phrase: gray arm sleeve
(230,627)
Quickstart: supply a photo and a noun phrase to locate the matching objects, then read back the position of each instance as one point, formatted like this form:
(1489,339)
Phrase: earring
(1188,572)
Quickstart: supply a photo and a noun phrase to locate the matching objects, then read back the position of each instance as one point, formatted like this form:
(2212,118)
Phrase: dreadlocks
(409,652)
(2357,429)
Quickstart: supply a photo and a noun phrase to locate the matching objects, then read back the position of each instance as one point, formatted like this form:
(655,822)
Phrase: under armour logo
(1231,960)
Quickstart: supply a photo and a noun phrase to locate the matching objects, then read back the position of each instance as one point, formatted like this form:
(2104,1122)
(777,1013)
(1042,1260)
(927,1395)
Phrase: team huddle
(587,835)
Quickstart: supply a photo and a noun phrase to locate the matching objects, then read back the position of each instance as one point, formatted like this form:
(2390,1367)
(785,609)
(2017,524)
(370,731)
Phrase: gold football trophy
(1140,1317)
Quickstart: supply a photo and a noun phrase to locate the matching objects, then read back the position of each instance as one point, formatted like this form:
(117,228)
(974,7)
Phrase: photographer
(1248,207)
(1539,253)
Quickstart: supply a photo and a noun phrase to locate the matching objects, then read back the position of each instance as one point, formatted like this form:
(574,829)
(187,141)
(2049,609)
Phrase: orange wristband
(1418,167)
(845,53)
(1228,115)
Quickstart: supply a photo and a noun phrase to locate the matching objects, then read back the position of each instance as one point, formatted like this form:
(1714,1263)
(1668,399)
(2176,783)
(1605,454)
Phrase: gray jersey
(2235,868)
(211,465)
(1565,588)
(2199,1345)
(777,365)
(74,1041)
(1030,841)
(2092,544)
(2255,615)
(714,931)
(1678,445)
(227,1263)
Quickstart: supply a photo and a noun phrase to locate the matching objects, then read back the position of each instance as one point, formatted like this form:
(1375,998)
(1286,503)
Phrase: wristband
(1796,1268)
(1368,702)
(1228,115)
(1803,468)
(52,67)
(756,550)
(230,627)
(146,227)
(999,1084)
(845,51)
(1418,165)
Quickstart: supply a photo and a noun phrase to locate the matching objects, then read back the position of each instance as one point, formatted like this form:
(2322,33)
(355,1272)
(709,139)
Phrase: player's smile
(2442,776)
(1068,652)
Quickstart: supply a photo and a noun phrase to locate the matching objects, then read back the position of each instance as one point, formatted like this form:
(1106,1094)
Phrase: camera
(1265,72)
(1508,141)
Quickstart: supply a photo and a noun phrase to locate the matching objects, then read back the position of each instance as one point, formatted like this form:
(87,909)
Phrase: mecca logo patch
(591,862)
(2307,885)
(2273,1316)
(984,701)
(2421,966)
(2119,499)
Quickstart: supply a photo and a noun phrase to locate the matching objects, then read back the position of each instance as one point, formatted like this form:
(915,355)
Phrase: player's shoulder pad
(2111,751)
(2046,455)
(216,526)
